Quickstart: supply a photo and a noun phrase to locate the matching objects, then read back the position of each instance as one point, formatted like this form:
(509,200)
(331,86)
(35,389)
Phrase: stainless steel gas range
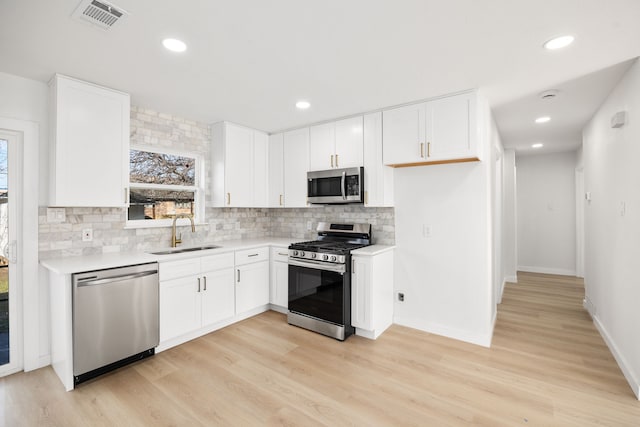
(320,279)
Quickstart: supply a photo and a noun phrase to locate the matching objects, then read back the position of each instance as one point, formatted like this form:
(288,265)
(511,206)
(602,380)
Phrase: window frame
(198,188)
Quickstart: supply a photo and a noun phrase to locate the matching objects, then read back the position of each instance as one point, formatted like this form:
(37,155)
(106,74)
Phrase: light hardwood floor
(547,366)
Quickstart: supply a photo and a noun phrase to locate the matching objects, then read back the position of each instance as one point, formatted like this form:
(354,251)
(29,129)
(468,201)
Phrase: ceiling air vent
(100,13)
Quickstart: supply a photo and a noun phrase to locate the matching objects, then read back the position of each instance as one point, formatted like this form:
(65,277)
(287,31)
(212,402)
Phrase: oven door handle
(337,268)
(343,185)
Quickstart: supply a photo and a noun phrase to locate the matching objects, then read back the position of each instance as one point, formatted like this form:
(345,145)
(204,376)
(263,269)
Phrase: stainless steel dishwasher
(115,318)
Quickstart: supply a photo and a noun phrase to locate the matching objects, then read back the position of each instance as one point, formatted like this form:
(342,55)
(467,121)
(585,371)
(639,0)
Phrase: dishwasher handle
(92,281)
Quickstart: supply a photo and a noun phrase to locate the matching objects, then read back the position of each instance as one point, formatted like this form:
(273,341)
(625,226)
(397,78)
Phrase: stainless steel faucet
(175,241)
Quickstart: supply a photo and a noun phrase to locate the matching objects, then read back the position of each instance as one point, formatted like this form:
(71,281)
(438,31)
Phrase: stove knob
(333,258)
(325,257)
(313,255)
(295,253)
(301,253)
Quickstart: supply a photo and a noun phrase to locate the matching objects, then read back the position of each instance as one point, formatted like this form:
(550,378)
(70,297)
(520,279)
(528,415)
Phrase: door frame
(580,222)
(31,317)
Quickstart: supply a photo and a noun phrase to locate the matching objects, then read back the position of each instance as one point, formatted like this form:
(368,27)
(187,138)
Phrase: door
(10,357)
(238,175)
(403,133)
(296,163)
(279,284)
(218,298)
(180,307)
(317,293)
(276,171)
(349,143)
(449,128)
(580,222)
(322,147)
(252,286)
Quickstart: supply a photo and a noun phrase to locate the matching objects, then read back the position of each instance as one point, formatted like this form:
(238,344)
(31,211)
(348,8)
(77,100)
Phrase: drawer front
(252,255)
(280,254)
(180,268)
(216,262)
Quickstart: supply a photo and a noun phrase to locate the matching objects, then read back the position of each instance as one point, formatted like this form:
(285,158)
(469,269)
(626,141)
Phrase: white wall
(447,277)
(612,240)
(509,215)
(26,101)
(547,213)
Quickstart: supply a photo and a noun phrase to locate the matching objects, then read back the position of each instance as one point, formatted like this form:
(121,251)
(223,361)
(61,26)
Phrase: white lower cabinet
(194,293)
(252,279)
(279,289)
(372,292)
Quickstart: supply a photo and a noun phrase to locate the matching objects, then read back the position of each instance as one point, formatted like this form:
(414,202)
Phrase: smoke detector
(102,14)
(549,94)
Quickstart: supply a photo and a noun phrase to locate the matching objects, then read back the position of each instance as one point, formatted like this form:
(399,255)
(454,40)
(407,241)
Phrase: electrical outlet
(87,234)
(426,230)
(309,224)
(401,296)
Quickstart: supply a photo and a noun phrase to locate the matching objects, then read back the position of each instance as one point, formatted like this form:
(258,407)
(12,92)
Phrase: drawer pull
(283,254)
(252,255)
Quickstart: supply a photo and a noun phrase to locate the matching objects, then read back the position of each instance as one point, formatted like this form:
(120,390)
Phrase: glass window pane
(159,204)
(159,168)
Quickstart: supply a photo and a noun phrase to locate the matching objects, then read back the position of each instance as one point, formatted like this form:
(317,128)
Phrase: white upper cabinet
(337,144)
(438,131)
(296,163)
(89,144)
(239,163)
(378,178)
(276,171)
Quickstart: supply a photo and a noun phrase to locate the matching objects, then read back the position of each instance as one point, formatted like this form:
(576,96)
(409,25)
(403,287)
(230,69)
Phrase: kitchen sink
(183,250)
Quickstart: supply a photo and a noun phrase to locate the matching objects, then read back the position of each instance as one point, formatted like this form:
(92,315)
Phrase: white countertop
(82,263)
(78,264)
(372,250)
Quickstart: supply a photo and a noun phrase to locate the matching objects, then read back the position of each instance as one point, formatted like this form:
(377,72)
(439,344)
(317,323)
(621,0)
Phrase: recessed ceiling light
(537,145)
(544,119)
(558,42)
(174,45)
(303,105)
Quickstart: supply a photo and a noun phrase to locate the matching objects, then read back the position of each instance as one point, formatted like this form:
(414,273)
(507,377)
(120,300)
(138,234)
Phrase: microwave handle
(344,181)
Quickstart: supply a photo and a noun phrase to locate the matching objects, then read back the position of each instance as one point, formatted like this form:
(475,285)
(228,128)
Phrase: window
(163,184)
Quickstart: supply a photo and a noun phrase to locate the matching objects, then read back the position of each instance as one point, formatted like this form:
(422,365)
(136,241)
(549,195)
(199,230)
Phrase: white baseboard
(627,371)
(545,270)
(589,306)
(483,340)
(511,279)
(279,309)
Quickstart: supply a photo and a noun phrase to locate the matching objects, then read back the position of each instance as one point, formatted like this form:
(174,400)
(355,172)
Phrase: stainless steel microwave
(336,186)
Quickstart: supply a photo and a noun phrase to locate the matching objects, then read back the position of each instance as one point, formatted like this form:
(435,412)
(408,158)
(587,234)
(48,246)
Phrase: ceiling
(249,61)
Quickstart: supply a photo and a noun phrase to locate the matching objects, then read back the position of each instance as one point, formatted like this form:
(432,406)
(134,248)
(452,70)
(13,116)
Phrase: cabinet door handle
(428,149)
(126,196)
(198,284)
(238,275)
(228,198)
(332,160)
(281,200)
(204,279)
(422,150)
(337,160)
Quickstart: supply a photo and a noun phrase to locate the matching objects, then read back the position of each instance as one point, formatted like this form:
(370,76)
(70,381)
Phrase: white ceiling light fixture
(558,42)
(544,119)
(537,145)
(303,105)
(174,45)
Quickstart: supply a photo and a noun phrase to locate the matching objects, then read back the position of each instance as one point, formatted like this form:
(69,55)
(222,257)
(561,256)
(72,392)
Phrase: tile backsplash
(151,128)
(110,234)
